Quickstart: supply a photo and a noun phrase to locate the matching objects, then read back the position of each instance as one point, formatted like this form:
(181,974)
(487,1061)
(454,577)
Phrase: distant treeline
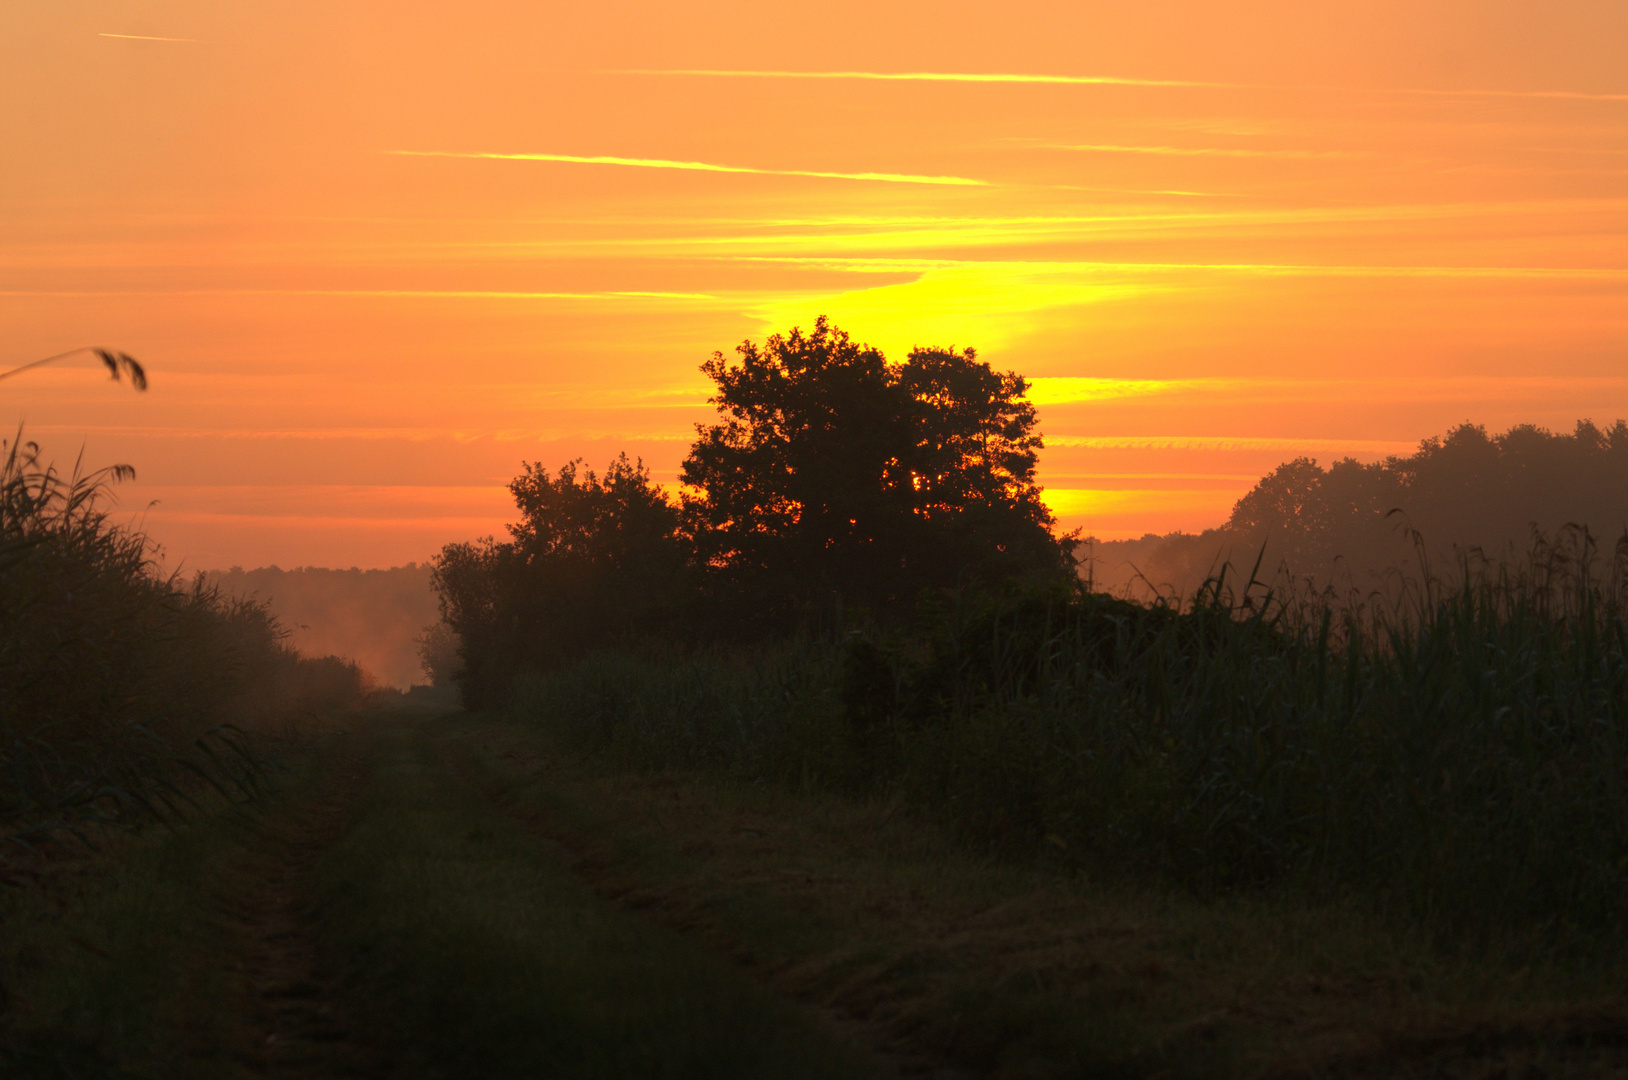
(1465,494)
(834,485)
(374,617)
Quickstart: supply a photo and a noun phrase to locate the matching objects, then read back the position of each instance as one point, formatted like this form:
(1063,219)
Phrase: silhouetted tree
(977,502)
(593,561)
(833,471)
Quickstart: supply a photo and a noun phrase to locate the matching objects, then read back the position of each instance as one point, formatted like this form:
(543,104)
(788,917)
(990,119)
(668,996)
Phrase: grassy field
(943,957)
(467,895)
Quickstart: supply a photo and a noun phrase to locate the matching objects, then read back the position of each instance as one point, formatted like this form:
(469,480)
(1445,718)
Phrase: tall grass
(1454,754)
(123,692)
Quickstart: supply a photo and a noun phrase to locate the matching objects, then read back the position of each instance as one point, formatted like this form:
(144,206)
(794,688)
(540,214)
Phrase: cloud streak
(429,294)
(929,76)
(1071,390)
(888,265)
(1230,442)
(145,37)
(1114,80)
(698,166)
(1201,151)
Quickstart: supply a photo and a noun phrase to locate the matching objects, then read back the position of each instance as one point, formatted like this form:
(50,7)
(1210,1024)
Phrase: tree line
(830,478)
(1468,493)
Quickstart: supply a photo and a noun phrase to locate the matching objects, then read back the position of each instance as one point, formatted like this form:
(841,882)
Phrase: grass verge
(116,963)
(1031,969)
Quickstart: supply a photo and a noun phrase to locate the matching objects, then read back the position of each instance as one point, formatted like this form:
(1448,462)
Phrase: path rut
(296,1023)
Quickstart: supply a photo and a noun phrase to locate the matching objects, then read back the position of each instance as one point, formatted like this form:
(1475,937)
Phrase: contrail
(700,166)
(931,76)
(144,37)
(1114,80)
(1183,151)
(875,264)
(1564,95)
(1226,442)
(428,294)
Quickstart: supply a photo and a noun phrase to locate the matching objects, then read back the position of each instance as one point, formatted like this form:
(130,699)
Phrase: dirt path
(866,1030)
(296,1024)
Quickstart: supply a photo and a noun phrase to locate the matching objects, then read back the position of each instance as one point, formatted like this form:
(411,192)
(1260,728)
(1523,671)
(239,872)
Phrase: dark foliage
(1351,522)
(592,562)
(1467,488)
(438,655)
(834,473)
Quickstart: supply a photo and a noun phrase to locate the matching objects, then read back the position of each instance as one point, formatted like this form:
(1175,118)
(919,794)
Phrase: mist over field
(370,616)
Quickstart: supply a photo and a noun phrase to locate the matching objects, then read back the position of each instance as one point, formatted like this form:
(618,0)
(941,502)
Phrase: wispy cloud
(1230,442)
(428,294)
(1561,95)
(923,266)
(1115,80)
(146,37)
(397,434)
(1071,390)
(698,166)
(495,294)
(928,76)
(1197,151)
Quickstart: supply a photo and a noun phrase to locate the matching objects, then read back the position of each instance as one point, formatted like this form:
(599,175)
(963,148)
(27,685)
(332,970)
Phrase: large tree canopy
(832,470)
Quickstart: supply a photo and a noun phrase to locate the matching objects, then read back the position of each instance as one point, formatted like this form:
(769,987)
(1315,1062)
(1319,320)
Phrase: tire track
(897,1057)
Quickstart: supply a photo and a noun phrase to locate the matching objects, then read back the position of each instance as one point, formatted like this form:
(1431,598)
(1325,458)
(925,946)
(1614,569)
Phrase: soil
(296,1024)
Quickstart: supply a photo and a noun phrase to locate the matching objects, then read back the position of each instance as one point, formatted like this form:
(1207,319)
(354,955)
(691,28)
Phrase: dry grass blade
(117,363)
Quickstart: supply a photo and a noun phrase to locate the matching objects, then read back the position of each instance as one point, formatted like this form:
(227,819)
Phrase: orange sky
(374,255)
